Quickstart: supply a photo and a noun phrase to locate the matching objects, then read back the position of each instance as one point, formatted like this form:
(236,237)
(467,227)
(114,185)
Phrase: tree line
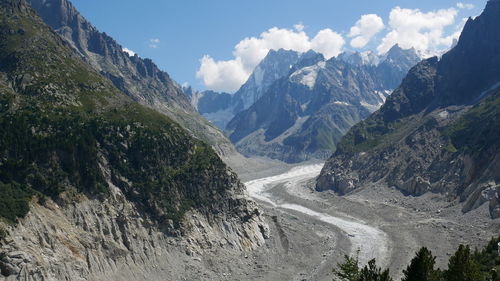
(463,265)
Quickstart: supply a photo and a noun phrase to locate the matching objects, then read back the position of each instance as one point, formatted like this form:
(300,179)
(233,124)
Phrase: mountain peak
(396,51)
(472,66)
(357,58)
(307,59)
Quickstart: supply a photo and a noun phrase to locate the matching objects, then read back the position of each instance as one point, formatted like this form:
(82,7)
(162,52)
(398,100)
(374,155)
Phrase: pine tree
(462,266)
(348,270)
(373,273)
(421,267)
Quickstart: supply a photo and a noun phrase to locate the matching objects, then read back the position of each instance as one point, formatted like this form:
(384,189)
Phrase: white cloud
(129,52)
(222,75)
(154,43)
(299,26)
(467,6)
(423,31)
(364,30)
(229,75)
(328,42)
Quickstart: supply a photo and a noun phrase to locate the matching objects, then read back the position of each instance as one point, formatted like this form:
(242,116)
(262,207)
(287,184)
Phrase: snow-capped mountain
(274,66)
(304,114)
(360,58)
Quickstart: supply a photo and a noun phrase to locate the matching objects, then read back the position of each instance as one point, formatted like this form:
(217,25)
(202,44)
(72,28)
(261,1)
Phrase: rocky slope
(438,132)
(94,186)
(139,78)
(304,114)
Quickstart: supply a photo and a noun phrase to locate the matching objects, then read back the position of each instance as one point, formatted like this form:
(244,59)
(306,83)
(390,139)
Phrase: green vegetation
(421,267)
(463,266)
(370,133)
(66,130)
(479,128)
(14,201)
(3,233)
(349,270)
(489,260)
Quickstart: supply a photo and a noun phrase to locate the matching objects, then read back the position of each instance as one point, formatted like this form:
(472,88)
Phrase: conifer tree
(348,270)
(421,267)
(462,266)
(373,273)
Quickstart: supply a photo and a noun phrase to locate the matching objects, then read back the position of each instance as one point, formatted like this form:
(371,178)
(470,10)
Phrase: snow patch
(307,75)
(341,102)
(443,114)
(371,107)
(258,76)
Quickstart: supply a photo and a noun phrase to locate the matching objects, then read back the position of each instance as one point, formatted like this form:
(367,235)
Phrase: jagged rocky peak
(359,58)
(404,58)
(473,65)
(307,59)
(276,64)
(116,64)
(138,78)
(438,131)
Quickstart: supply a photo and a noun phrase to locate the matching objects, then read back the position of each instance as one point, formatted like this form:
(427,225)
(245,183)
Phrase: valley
(383,223)
(286,159)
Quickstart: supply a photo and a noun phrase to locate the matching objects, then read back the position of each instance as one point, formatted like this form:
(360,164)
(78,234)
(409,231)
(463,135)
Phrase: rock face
(214,105)
(93,185)
(304,114)
(112,240)
(275,65)
(438,131)
(139,78)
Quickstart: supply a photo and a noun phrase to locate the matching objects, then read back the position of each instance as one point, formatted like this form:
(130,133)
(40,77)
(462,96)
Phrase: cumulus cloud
(154,43)
(222,75)
(229,75)
(328,42)
(129,52)
(422,31)
(364,30)
(467,6)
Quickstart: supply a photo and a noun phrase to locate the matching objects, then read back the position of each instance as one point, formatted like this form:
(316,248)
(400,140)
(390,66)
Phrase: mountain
(213,105)
(93,185)
(304,114)
(275,65)
(139,78)
(357,58)
(438,132)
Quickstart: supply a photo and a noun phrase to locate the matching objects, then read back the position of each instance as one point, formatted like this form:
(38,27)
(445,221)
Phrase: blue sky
(178,34)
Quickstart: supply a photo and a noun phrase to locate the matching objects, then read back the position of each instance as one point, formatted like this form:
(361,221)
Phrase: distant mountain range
(297,106)
(440,129)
